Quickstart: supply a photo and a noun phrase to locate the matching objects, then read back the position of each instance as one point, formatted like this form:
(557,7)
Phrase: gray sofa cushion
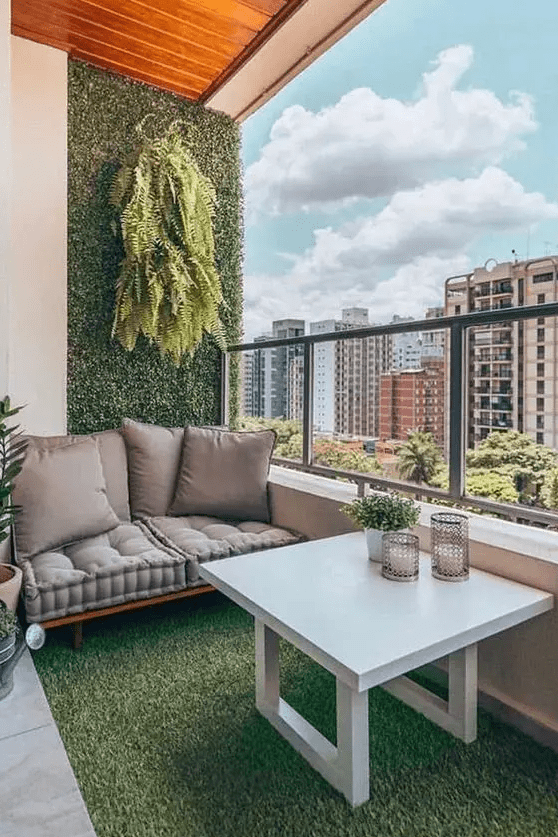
(63,498)
(112,451)
(153,460)
(200,538)
(124,564)
(224,474)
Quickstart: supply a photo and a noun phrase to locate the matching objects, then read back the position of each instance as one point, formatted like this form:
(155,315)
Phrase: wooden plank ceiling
(190,47)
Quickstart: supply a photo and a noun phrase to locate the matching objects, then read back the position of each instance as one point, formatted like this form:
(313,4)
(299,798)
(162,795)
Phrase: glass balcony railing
(333,432)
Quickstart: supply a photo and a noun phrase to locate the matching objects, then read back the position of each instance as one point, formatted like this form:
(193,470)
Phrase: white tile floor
(39,796)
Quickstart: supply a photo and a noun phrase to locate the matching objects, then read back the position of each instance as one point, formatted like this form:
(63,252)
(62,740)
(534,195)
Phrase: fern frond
(168,288)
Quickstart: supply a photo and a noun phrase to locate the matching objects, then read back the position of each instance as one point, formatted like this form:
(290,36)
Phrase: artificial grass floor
(157,714)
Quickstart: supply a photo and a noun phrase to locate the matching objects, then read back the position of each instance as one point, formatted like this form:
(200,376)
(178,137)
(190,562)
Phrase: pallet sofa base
(76,620)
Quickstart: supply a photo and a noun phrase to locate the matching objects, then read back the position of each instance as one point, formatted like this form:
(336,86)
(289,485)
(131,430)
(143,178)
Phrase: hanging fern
(168,288)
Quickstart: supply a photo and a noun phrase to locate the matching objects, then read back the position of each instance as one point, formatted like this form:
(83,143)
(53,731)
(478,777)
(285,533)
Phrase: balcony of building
(499,288)
(39,793)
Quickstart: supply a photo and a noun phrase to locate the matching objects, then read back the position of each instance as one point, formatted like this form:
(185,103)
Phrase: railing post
(308,406)
(456,415)
(225,364)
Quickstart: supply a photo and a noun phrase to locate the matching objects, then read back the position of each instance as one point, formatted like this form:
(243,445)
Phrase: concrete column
(38,320)
(5,189)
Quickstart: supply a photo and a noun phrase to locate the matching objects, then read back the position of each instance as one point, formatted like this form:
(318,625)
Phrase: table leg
(267,667)
(345,766)
(458,714)
(462,698)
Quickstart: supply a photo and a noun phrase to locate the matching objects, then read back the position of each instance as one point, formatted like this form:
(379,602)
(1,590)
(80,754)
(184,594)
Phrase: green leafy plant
(7,620)
(12,454)
(168,288)
(388,512)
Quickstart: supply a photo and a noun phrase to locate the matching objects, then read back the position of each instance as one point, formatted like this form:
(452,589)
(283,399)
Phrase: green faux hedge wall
(106,383)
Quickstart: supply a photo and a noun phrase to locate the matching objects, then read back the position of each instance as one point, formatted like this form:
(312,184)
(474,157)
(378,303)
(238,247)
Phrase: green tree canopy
(419,458)
(482,482)
(549,490)
(515,455)
(329,452)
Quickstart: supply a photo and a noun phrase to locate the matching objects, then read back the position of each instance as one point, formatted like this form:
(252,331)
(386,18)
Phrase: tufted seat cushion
(198,538)
(123,564)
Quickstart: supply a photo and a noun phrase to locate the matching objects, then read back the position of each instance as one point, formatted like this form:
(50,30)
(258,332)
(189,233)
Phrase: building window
(540,335)
(540,299)
(540,422)
(540,438)
(540,370)
(540,387)
(540,405)
(542,277)
(540,321)
(540,351)
(458,309)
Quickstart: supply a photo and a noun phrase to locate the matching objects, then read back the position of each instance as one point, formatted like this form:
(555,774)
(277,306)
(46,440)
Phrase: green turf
(157,714)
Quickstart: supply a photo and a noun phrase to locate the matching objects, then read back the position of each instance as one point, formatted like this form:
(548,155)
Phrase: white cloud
(439,218)
(368,146)
(409,292)
(421,235)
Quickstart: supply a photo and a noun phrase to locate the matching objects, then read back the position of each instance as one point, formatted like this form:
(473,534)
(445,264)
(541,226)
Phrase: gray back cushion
(63,497)
(112,451)
(224,474)
(153,461)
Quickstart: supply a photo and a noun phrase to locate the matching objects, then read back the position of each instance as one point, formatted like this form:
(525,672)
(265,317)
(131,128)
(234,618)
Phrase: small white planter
(374,543)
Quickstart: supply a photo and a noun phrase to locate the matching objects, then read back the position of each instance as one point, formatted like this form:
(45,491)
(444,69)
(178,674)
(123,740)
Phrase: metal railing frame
(458,327)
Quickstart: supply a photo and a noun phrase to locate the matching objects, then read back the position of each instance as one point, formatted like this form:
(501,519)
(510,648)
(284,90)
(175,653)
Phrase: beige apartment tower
(513,366)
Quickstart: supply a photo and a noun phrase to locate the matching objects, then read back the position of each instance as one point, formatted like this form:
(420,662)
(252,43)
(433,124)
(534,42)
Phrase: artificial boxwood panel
(105,382)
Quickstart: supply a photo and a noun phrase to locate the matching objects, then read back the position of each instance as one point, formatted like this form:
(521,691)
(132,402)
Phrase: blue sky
(419,147)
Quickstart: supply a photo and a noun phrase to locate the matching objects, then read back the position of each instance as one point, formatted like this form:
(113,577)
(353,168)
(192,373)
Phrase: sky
(419,147)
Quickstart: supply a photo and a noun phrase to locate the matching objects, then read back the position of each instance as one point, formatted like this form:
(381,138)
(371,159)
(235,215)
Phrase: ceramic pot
(10,584)
(374,543)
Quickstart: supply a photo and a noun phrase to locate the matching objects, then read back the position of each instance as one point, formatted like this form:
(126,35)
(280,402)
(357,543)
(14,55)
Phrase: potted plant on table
(379,513)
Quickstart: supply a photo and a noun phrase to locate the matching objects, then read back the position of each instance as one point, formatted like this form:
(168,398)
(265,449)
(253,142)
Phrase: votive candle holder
(450,546)
(400,556)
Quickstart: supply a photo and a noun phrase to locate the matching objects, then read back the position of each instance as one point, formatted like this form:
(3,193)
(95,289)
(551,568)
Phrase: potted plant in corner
(11,648)
(379,513)
(12,453)
(7,632)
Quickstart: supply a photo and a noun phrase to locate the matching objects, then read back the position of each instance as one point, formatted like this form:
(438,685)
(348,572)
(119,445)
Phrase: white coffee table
(328,600)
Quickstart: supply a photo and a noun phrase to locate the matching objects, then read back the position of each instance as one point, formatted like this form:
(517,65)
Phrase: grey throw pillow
(224,474)
(63,497)
(153,460)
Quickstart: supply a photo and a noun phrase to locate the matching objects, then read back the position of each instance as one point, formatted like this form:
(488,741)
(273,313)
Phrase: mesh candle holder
(400,556)
(450,546)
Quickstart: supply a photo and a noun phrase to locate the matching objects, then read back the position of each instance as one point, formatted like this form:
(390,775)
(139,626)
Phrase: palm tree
(419,458)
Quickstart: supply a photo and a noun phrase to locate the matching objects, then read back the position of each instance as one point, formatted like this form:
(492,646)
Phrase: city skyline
(370,180)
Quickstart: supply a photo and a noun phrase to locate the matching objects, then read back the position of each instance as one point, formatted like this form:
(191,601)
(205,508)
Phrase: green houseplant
(379,513)
(7,632)
(12,454)
(168,288)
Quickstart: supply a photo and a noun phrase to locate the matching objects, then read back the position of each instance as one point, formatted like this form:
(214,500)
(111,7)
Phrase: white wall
(38,322)
(5,189)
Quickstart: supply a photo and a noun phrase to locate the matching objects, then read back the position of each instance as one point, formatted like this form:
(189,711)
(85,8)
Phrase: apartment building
(413,399)
(406,347)
(271,383)
(347,377)
(513,366)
